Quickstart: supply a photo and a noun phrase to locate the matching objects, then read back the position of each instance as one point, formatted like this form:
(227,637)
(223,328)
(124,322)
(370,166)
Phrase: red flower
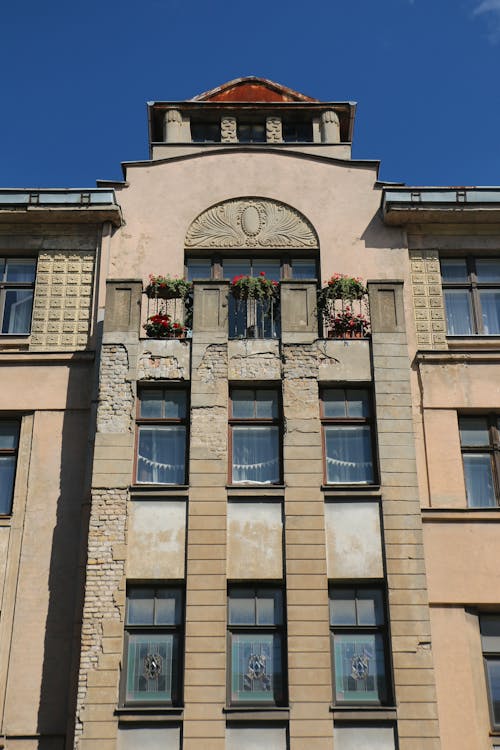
(262,273)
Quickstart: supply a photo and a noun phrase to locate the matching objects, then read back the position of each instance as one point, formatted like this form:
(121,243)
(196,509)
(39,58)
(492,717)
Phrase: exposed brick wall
(116,395)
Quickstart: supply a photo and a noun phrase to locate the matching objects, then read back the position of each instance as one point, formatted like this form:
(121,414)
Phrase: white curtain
(479,480)
(161,458)
(348,454)
(255,455)
(458,317)
(490,307)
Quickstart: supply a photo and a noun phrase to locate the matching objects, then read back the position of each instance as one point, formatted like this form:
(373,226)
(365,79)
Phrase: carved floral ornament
(251,222)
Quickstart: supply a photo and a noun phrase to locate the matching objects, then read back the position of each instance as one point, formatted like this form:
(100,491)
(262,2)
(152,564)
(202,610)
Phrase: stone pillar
(273,130)
(299,321)
(330,127)
(414,683)
(210,311)
(228,130)
(173,126)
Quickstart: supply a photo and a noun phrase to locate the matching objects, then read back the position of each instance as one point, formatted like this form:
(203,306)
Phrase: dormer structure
(254,112)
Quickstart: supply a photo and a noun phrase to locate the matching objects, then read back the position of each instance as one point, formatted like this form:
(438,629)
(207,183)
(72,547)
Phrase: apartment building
(266,441)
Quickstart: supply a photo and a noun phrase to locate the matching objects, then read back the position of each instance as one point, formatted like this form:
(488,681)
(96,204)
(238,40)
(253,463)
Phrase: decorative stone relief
(273,130)
(228,132)
(330,127)
(173,125)
(428,303)
(251,222)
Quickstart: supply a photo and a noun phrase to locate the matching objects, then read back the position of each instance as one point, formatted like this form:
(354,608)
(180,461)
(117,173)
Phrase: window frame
(473,287)
(492,449)
(242,629)
(177,629)
(285,259)
(6,286)
(368,421)
(145,421)
(381,629)
(12,452)
(255,422)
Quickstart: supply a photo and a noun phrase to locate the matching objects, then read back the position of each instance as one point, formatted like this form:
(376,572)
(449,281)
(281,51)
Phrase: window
(161,439)
(17,283)
(9,439)
(471,289)
(153,645)
(480,444)
(346,417)
(297,131)
(359,650)
(252,132)
(490,642)
(254,436)
(205,132)
(256,635)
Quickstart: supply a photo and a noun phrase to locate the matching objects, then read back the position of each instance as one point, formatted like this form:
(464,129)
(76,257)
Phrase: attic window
(297,131)
(203,132)
(251,132)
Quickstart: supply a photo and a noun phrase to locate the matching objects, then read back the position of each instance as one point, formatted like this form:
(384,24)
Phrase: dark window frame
(369,421)
(473,287)
(6,286)
(178,630)
(255,422)
(381,629)
(492,449)
(12,452)
(144,421)
(286,261)
(277,629)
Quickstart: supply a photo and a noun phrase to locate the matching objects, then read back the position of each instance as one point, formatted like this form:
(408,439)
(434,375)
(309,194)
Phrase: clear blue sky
(76,76)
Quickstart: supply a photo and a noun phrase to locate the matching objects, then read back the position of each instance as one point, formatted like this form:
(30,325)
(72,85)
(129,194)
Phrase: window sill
(257,713)
(160,490)
(351,490)
(453,515)
(255,489)
(364,713)
(151,713)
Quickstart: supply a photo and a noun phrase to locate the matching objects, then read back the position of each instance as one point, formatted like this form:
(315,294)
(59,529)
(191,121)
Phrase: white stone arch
(251,222)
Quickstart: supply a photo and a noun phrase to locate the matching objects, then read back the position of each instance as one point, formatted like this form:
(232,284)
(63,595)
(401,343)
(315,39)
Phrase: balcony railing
(254,319)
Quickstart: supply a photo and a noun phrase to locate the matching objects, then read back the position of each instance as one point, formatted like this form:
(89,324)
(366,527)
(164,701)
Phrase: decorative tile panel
(428,299)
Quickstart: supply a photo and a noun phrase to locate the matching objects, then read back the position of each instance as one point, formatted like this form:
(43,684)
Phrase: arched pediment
(251,222)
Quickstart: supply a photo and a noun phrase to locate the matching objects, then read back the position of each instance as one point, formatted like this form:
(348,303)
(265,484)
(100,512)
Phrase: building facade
(244,514)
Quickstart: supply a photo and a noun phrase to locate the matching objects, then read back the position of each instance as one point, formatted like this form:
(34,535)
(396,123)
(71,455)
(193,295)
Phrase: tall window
(471,288)
(17,283)
(480,444)
(347,435)
(153,645)
(9,439)
(255,621)
(161,439)
(490,641)
(254,436)
(359,645)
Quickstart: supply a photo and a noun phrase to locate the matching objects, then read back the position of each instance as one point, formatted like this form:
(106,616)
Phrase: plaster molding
(251,222)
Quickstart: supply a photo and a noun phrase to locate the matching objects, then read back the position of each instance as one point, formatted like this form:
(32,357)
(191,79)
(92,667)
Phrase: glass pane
(150,667)
(256,455)
(490,632)
(140,607)
(271,268)
(458,312)
(8,435)
(236,267)
(478,480)
(370,610)
(348,454)
(269,607)
(490,309)
(175,404)
(334,404)
(168,607)
(359,668)
(21,270)
(343,607)
(242,607)
(161,455)
(358,404)
(493,671)
(303,269)
(256,674)
(17,311)
(198,269)
(2,268)
(488,270)
(266,406)
(7,474)
(258,133)
(253,319)
(243,403)
(151,404)
(454,270)
(474,431)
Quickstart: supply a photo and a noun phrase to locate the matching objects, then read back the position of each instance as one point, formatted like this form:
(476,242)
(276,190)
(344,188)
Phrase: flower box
(245,287)
(166,287)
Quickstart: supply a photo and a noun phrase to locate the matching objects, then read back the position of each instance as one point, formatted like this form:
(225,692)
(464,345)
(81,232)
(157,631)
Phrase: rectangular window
(17,284)
(480,444)
(161,438)
(251,132)
(9,440)
(205,132)
(153,645)
(297,131)
(255,622)
(254,436)
(490,641)
(471,290)
(347,436)
(359,645)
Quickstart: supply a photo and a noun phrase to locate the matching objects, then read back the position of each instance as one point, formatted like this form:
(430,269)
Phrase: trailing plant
(346,323)
(161,326)
(339,287)
(167,287)
(245,287)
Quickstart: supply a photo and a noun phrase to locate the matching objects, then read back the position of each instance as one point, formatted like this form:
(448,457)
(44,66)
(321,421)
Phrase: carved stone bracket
(251,222)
